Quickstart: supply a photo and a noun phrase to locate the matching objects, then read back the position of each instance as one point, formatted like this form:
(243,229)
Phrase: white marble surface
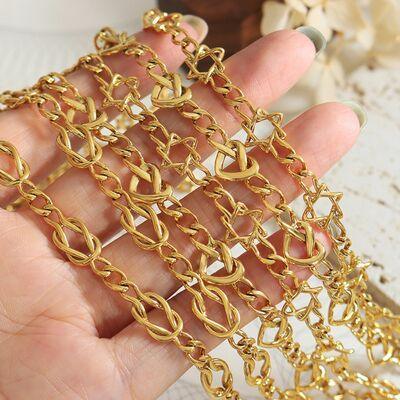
(369,175)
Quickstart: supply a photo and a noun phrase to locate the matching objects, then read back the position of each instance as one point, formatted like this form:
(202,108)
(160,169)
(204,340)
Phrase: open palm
(63,334)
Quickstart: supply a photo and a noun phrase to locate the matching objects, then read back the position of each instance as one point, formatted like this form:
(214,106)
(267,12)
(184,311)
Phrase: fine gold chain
(343,275)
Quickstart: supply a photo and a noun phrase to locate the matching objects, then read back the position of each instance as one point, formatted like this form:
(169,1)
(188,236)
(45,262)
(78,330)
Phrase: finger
(133,347)
(33,135)
(273,79)
(318,130)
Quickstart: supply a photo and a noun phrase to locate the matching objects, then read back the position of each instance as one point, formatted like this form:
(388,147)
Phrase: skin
(63,334)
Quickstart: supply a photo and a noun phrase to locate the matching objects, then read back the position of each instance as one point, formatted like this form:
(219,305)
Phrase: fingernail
(315,36)
(358,110)
(198,24)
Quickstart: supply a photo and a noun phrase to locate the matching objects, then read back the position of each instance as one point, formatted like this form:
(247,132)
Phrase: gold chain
(237,279)
(314,190)
(176,95)
(214,189)
(160,195)
(114,277)
(148,195)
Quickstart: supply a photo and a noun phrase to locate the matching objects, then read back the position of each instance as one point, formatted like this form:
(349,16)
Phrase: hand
(63,334)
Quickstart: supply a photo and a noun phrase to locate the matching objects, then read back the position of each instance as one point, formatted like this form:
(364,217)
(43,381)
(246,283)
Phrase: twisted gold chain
(326,369)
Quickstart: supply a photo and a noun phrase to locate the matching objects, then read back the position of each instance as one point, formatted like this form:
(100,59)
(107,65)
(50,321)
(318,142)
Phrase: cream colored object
(379,92)
(358,33)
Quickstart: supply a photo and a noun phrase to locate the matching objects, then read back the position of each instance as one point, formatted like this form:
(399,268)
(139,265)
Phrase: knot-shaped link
(234,149)
(157,331)
(20,166)
(230,313)
(76,256)
(144,240)
(78,160)
(168,91)
(234,268)
(149,173)
(315,250)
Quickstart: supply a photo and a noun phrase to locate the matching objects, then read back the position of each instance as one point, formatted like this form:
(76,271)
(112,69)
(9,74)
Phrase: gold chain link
(169,92)
(380,327)
(245,288)
(160,195)
(343,275)
(114,278)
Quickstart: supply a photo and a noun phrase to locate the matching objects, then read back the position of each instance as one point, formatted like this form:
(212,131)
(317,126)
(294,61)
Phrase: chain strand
(343,275)
(114,277)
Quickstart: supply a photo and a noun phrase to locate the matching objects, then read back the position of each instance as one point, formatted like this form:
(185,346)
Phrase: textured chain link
(111,43)
(83,123)
(377,320)
(169,92)
(170,330)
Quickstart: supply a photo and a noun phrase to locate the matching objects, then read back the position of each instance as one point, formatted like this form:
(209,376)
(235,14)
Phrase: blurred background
(361,63)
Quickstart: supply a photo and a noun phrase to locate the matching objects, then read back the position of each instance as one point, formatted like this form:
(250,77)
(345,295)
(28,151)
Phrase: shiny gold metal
(141,50)
(52,177)
(170,330)
(324,371)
